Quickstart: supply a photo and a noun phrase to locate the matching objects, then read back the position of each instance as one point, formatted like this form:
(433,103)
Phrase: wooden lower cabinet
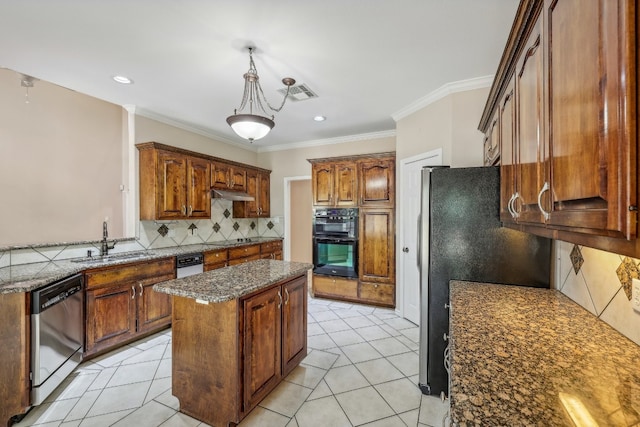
(271,250)
(244,254)
(216,259)
(335,287)
(228,356)
(15,336)
(377,293)
(121,305)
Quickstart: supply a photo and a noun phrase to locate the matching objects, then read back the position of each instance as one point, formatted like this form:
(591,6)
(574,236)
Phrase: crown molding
(191,128)
(328,141)
(441,92)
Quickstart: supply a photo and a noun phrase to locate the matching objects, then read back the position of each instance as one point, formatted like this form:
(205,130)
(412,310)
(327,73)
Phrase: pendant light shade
(249,125)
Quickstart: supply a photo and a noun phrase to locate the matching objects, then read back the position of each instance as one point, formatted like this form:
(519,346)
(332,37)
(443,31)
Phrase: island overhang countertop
(228,283)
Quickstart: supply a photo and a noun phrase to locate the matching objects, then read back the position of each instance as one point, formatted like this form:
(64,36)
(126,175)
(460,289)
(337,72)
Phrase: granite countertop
(28,277)
(228,283)
(528,357)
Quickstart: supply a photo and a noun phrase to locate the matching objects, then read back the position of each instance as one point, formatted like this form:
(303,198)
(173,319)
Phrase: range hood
(236,196)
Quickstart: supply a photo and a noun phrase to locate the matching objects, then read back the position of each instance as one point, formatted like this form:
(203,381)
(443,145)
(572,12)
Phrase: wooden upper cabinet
(258,186)
(376,182)
(225,176)
(531,156)
(592,115)
(508,152)
(335,184)
(173,185)
(322,182)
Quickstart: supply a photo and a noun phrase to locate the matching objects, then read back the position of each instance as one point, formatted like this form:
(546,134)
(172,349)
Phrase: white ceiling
(366,59)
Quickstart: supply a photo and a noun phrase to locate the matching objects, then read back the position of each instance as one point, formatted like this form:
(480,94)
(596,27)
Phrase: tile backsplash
(601,283)
(160,234)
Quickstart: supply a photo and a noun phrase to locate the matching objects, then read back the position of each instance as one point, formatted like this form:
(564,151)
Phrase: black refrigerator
(462,238)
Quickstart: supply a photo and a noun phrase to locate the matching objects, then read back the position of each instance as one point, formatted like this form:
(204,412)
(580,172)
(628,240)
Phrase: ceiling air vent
(299,92)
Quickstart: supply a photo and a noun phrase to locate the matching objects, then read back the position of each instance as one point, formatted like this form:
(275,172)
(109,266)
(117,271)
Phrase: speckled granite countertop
(28,277)
(228,283)
(528,357)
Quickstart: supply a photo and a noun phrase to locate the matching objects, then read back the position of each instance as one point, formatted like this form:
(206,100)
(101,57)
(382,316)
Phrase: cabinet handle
(190,210)
(280,296)
(184,210)
(510,206)
(545,214)
(133,292)
(141,288)
(286,292)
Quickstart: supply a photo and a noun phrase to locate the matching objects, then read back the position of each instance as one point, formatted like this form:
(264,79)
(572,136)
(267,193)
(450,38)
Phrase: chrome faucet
(104,248)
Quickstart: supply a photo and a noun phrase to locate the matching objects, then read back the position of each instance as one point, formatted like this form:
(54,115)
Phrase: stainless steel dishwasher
(189,264)
(56,334)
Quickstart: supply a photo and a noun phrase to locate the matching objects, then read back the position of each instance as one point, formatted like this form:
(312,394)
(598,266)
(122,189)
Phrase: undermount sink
(115,257)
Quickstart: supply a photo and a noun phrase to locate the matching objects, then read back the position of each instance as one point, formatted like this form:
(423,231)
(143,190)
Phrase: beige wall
(152,130)
(301,212)
(450,124)
(61,160)
(293,162)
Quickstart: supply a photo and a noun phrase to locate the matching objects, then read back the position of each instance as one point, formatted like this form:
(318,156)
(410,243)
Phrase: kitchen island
(532,357)
(237,332)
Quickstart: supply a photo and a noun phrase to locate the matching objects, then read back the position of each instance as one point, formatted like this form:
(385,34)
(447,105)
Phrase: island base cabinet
(226,357)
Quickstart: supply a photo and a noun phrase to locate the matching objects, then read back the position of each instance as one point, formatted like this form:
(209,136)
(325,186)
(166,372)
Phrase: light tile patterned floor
(361,370)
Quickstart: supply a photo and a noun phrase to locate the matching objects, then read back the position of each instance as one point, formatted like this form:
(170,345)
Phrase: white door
(410,178)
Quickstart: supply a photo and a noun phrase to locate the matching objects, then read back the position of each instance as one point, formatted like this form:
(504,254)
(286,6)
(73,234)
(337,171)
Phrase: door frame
(286,247)
(400,226)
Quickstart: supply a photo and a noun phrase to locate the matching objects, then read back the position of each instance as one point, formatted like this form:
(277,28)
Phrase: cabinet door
(376,182)
(264,195)
(111,316)
(532,152)
(238,178)
(154,308)
(172,185)
(253,185)
(322,184)
(220,175)
(592,104)
(199,188)
(294,324)
(507,154)
(346,184)
(377,243)
(262,344)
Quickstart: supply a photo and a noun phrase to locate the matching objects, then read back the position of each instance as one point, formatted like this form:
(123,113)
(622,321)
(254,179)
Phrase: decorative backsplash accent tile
(216,227)
(576,258)
(236,226)
(627,271)
(163,230)
(270,225)
(193,228)
(252,225)
(226,213)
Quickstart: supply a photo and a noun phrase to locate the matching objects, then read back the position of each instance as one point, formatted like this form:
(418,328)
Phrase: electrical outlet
(635,295)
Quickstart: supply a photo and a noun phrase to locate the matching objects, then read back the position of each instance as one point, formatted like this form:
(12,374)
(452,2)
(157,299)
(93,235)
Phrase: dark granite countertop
(530,357)
(28,277)
(228,283)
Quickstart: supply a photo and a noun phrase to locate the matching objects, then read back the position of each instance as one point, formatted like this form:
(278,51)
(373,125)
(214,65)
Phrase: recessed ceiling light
(319,118)
(123,80)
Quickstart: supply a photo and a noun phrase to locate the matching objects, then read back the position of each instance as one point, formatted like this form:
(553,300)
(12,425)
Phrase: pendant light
(249,125)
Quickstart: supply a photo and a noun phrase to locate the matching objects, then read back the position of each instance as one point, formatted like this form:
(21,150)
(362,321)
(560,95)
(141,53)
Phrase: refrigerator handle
(419,257)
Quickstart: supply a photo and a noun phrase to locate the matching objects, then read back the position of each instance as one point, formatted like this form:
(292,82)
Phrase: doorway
(298,212)
(409,209)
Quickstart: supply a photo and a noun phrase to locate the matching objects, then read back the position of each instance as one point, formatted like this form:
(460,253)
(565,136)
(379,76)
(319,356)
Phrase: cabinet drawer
(377,293)
(244,251)
(215,257)
(237,261)
(271,246)
(129,272)
(335,286)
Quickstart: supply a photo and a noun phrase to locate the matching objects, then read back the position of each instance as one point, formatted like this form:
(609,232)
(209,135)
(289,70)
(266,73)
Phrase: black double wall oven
(335,242)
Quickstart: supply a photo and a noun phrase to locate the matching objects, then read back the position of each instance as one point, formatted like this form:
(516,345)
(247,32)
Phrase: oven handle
(334,240)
